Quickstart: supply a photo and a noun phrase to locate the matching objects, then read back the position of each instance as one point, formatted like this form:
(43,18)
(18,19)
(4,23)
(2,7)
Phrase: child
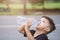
(45,27)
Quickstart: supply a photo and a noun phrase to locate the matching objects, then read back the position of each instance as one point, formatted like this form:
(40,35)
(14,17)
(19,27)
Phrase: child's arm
(21,29)
(28,33)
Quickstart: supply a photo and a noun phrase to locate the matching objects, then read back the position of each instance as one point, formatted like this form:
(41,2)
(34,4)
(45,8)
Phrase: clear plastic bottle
(22,20)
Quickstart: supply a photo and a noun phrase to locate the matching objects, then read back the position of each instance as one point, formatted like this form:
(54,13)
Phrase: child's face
(44,24)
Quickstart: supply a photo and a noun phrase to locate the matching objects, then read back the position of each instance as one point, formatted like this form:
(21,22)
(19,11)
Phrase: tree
(1,1)
(36,1)
(56,0)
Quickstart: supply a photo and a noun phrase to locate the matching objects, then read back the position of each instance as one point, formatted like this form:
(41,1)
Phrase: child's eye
(43,21)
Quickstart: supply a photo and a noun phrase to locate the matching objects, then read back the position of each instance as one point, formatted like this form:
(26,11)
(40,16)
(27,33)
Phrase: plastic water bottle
(22,20)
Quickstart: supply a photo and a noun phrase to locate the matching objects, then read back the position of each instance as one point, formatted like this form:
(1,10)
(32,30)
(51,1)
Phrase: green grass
(12,6)
(50,5)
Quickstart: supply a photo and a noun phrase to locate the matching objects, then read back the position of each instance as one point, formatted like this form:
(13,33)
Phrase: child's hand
(28,24)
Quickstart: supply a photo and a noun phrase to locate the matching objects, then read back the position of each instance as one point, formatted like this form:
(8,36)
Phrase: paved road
(8,28)
(12,20)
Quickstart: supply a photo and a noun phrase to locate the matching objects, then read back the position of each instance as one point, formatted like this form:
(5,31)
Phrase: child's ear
(47,29)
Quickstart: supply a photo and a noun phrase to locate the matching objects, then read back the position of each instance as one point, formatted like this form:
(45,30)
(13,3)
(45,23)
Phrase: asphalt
(9,26)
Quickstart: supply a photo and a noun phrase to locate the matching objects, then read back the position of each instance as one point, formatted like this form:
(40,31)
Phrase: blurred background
(29,7)
(11,9)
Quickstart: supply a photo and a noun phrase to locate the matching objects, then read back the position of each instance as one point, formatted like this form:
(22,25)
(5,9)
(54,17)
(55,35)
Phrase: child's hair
(52,24)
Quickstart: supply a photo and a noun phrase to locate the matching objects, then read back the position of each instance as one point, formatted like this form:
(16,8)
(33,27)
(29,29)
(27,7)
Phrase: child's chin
(38,28)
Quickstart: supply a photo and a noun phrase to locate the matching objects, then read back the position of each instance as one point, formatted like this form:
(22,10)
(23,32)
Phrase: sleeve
(32,32)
